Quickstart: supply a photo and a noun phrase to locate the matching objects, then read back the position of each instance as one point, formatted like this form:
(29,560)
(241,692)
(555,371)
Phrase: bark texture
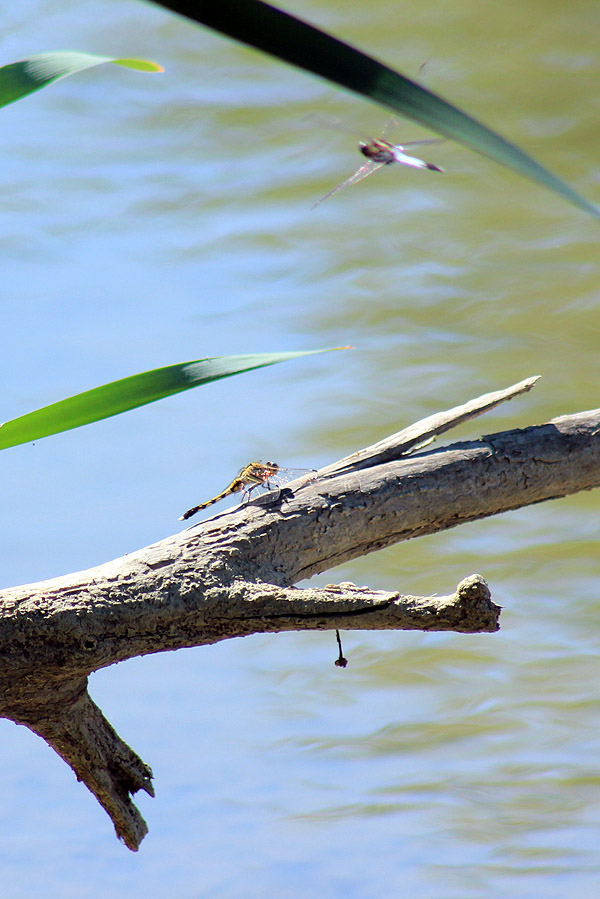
(233,575)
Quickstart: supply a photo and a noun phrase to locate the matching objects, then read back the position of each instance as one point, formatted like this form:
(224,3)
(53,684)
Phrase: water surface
(149,220)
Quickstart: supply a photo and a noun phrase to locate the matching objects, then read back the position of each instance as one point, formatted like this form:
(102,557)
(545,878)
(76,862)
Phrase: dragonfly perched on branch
(268,475)
(380,152)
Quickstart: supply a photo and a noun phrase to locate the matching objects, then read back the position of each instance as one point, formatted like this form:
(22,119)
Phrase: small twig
(424,431)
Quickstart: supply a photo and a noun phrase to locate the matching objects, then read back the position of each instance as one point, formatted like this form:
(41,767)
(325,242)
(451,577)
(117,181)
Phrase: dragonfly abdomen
(234,487)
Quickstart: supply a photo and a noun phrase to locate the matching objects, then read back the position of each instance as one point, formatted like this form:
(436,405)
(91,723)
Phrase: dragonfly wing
(277,482)
(286,475)
(394,123)
(429,140)
(321,120)
(363,172)
(389,126)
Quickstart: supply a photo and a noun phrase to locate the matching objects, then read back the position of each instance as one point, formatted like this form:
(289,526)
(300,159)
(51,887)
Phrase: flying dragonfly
(268,475)
(381,152)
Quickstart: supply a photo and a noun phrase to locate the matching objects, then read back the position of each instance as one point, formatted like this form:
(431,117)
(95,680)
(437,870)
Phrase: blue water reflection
(148,220)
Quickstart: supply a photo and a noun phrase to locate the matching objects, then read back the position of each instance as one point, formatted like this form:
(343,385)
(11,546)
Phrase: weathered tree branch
(82,736)
(233,575)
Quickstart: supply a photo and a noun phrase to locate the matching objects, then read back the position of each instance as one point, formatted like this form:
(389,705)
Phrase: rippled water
(148,220)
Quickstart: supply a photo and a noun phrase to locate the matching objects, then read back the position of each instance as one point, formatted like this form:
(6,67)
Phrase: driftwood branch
(233,575)
(82,736)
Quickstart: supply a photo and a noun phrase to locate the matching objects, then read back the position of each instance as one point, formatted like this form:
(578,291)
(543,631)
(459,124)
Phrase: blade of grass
(18,79)
(276,32)
(129,393)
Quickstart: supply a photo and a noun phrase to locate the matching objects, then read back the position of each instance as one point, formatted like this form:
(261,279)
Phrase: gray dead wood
(233,575)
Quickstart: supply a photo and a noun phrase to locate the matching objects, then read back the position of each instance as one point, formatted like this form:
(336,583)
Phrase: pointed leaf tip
(19,79)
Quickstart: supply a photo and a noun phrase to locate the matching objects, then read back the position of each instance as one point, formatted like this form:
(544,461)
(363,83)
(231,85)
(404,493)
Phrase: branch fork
(233,575)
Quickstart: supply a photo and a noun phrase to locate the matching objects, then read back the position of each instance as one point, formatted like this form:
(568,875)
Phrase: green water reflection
(177,223)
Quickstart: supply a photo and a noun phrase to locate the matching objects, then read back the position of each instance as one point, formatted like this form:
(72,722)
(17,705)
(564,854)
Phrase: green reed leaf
(18,79)
(129,393)
(276,32)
